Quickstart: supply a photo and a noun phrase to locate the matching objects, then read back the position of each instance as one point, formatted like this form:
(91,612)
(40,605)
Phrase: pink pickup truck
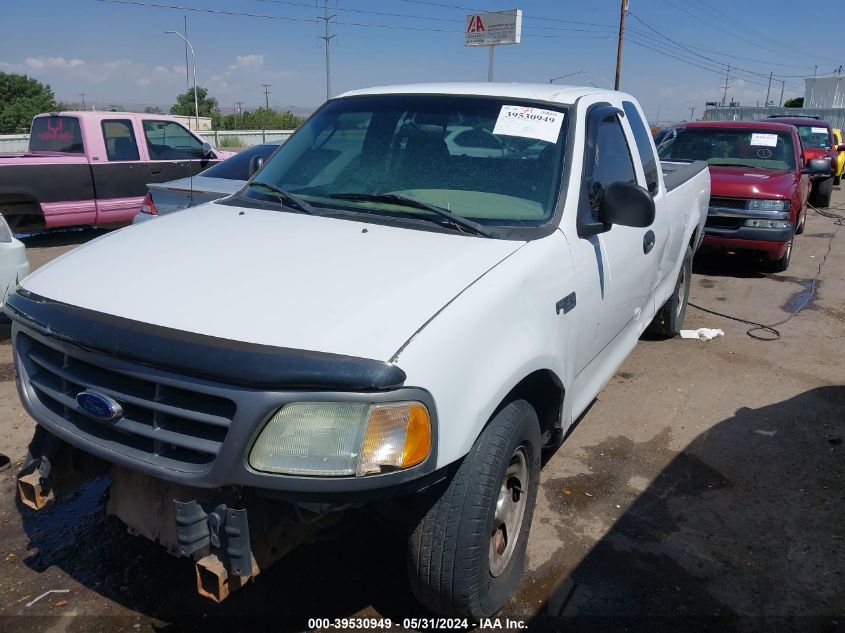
(92,168)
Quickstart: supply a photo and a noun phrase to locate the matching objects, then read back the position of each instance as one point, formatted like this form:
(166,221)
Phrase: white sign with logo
(493,29)
(527,122)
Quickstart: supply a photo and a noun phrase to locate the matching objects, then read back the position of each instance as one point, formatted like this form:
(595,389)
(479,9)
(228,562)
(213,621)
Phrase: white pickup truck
(422,289)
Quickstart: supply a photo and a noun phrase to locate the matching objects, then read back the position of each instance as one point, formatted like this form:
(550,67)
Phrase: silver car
(216,182)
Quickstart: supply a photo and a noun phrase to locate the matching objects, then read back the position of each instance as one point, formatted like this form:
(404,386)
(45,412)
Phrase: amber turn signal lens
(398,435)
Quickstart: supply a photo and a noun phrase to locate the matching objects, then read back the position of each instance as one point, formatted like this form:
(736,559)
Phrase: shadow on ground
(61,237)
(743,530)
(714,263)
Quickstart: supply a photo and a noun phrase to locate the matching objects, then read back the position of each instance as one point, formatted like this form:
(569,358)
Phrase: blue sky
(118,53)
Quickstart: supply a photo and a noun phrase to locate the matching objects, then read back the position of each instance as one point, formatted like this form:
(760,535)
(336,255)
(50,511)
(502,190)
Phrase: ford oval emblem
(98,406)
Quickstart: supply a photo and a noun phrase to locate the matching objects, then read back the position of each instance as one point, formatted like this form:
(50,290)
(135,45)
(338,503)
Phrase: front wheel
(837,180)
(780,265)
(466,553)
(821,193)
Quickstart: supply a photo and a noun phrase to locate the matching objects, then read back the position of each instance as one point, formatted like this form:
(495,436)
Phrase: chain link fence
(834,116)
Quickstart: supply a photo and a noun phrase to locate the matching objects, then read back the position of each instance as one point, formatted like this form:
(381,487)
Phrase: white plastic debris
(46,593)
(702,333)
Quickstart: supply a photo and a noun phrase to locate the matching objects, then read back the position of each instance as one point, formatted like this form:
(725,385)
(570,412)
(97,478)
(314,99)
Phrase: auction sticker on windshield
(764,140)
(527,122)
(819,130)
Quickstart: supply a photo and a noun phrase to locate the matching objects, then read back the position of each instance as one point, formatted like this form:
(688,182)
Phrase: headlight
(768,205)
(343,438)
(5,231)
(767,224)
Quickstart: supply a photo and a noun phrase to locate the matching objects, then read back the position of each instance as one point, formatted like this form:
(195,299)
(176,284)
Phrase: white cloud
(248,61)
(143,82)
(39,63)
(117,63)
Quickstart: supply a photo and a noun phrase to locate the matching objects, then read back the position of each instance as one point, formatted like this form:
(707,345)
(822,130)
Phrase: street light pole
(554,79)
(194,59)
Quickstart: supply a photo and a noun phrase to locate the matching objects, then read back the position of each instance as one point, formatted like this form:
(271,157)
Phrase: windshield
(761,149)
(237,167)
(496,161)
(814,136)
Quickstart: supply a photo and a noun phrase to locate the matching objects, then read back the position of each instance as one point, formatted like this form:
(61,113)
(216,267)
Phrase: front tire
(466,554)
(802,223)
(837,180)
(821,193)
(670,318)
(780,265)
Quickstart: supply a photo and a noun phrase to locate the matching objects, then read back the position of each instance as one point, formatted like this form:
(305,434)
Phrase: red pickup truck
(818,141)
(92,168)
(759,174)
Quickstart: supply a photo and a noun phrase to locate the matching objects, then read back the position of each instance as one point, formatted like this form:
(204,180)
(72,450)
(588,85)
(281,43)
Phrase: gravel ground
(702,491)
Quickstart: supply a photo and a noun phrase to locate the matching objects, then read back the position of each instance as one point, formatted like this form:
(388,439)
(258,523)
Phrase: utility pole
(622,14)
(240,107)
(658,113)
(692,114)
(815,70)
(82,94)
(768,90)
(327,39)
(727,77)
(266,95)
(782,84)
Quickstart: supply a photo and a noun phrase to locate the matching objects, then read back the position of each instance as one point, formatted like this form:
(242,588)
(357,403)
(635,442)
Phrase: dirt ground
(702,491)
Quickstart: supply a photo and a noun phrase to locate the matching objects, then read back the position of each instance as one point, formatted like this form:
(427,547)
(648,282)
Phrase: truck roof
(802,120)
(103,114)
(553,93)
(775,126)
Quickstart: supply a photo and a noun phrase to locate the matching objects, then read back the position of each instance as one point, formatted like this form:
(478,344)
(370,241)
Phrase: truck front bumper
(726,229)
(189,429)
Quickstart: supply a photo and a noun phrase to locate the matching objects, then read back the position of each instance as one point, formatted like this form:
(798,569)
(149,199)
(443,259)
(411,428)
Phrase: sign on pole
(493,29)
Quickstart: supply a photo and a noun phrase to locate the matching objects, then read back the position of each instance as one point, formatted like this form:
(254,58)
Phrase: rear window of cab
(56,134)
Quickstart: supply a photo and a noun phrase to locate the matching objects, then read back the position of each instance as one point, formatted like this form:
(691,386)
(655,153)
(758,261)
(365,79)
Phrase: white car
(370,318)
(14,264)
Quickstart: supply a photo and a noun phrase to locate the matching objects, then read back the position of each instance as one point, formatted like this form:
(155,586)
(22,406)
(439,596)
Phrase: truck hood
(742,182)
(273,277)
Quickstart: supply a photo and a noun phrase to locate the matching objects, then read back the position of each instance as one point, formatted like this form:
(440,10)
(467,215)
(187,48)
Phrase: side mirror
(255,163)
(207,150)
(817,166)
(626,204)
(840,147)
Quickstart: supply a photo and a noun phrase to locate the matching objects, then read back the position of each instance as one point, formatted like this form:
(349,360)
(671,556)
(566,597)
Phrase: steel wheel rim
(682,290)
(509,512)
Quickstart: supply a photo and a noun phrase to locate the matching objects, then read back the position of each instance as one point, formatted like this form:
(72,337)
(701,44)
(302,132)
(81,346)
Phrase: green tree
(184,105)
(21,98)
(797,102)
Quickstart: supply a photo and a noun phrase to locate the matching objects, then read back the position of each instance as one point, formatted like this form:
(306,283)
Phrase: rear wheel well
(693,240)
(544,392)
(22,212)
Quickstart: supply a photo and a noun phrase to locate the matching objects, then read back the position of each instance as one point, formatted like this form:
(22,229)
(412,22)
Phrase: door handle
(648,242)
(155,170)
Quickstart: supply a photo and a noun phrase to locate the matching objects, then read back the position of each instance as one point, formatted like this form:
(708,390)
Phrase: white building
(824,92)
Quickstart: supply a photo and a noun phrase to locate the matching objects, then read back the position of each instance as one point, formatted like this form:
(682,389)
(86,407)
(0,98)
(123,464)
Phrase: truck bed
(677,173)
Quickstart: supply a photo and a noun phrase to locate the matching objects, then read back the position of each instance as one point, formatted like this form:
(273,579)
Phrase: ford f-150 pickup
(372,319)
(92,168)
(759,183)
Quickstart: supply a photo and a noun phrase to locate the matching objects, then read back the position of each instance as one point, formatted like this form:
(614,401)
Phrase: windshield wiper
(454,219)
(292,200)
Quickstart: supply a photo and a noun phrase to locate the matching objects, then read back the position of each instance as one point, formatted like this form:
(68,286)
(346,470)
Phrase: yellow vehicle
(840,157)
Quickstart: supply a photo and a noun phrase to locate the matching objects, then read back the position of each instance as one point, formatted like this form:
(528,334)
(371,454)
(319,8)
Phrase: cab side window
(645,146)
(611,160)
(167,140)
(120,140)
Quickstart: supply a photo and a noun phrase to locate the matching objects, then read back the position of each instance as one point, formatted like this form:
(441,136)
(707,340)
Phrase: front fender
(503,327)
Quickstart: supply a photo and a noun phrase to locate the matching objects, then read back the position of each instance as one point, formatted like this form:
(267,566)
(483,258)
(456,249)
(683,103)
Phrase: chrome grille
(170,426)
(728,203)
